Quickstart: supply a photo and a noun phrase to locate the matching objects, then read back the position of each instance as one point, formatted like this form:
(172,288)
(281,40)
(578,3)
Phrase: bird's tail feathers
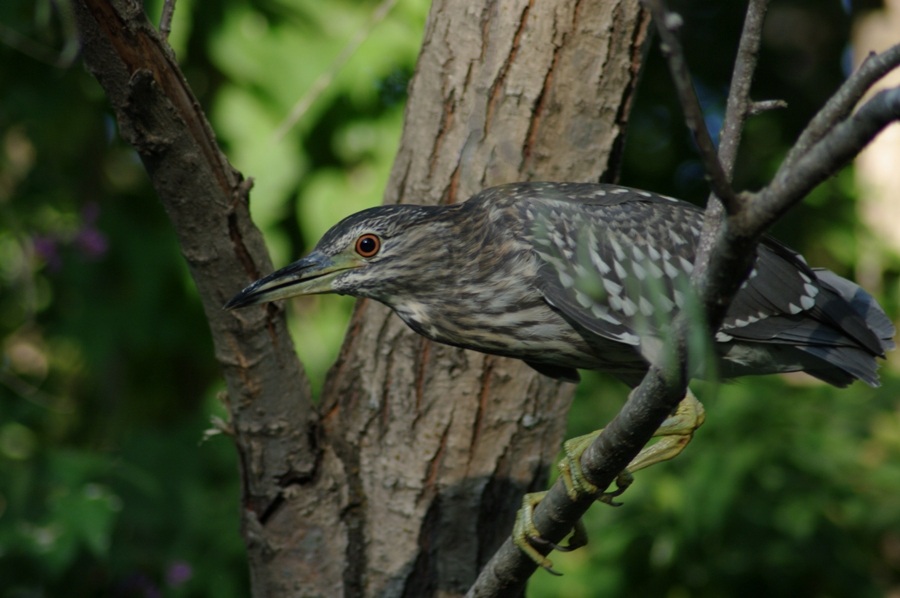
(855,336)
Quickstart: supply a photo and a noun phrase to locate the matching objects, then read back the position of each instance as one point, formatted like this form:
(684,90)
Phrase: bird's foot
(674,434)
(527,537)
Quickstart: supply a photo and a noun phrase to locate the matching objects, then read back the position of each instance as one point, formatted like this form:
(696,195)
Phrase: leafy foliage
(108,383)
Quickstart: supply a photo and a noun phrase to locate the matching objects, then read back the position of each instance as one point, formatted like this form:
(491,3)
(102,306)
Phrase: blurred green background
(109,483)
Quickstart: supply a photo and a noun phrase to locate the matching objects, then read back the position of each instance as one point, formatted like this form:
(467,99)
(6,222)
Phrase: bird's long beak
(308,276)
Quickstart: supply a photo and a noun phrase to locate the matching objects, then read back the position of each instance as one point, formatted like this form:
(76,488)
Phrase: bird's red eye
(368,245)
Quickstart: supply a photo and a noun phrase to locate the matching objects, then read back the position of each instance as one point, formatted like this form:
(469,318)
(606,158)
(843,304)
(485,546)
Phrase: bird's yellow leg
(674,434)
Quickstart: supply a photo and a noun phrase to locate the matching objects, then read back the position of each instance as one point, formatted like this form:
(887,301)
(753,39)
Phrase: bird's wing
(618,262)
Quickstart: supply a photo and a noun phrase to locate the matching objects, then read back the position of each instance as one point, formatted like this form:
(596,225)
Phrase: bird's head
(372,253)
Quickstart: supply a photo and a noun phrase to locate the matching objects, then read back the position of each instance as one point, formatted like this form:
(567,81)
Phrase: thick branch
(206,199)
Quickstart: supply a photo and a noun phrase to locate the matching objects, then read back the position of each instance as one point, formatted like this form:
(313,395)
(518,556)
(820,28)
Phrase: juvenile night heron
(581,276)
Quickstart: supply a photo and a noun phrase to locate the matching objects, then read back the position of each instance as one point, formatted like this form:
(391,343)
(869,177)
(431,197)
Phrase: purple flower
(179,573)
(92,242)
(47,248)
(89,239)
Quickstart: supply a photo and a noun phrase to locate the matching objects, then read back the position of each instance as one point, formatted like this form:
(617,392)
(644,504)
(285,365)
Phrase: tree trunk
(444,442)
(408,476)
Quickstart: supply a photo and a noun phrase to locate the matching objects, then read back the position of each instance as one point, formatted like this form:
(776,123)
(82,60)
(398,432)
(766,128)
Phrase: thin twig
(667,23)
(738,108)
(325,79)
(739,104)
(165,19)
(765,106)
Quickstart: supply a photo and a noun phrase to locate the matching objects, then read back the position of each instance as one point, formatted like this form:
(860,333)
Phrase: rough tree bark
(407,477)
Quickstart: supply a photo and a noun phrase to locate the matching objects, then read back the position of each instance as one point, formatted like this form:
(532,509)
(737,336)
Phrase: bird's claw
(674,433)
(527,537)
(577,484)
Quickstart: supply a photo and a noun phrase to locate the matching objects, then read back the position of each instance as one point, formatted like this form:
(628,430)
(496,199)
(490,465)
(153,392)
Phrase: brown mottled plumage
(567,276)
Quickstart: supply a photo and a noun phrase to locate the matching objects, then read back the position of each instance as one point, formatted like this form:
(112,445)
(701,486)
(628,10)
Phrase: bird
(570,276)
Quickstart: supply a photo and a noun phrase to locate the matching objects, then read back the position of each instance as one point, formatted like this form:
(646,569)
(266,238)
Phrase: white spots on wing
(620,270)
(671,271)
(629,338)
(805,278)
(557,239)
(602,312)
(794,309)
(645,306)
(612,287)
(678,296)
(807,302)
(581,271)
(753,274)
(566,280)
(637,253)
(654,254)
(618,190)
(583,300)
(675,237)
(638,270)
(598,262)
(596,258)
(722,337)
(654,270)
(809,289)
(643,193)
(617,249)
(615,302)
(664,303)
(746,320)
(686,265)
